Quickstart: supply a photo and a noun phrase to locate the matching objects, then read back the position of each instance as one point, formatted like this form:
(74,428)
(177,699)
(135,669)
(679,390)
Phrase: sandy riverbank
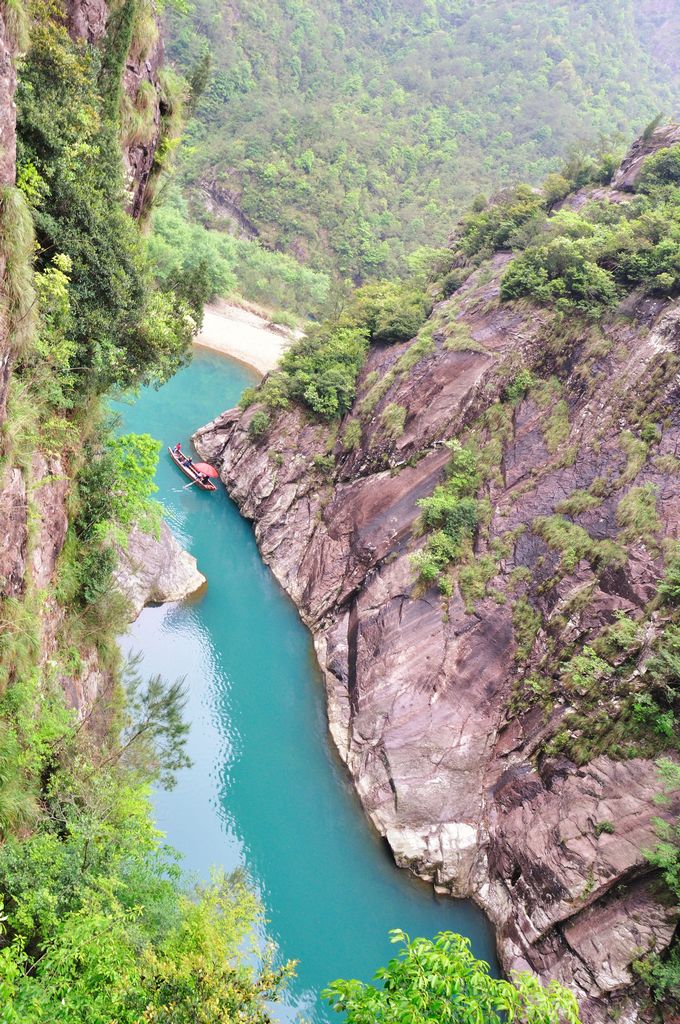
(243,335)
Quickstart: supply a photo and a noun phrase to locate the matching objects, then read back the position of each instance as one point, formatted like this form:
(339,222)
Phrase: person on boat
(177,451)
(204,478)
(179,454)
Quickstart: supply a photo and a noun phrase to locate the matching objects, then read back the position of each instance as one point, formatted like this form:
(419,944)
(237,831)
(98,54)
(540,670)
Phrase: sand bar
(243,335)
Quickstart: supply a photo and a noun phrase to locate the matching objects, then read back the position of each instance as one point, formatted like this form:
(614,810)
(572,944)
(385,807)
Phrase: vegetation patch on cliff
(124,333)
(320,371)
(585,261)
(453,512)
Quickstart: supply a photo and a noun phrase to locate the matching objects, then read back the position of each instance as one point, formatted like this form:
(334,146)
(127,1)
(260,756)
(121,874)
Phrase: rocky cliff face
(422,689)
(156,570)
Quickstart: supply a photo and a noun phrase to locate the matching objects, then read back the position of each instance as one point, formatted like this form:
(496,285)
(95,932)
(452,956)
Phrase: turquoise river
(266,791)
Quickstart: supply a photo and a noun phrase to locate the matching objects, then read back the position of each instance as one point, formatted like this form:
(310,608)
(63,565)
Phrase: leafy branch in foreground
(153,733)
(441,980)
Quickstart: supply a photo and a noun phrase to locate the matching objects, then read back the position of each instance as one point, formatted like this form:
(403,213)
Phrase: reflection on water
(265,790)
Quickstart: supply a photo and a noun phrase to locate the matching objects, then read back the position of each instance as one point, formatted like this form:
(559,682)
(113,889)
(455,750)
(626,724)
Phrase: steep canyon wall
(429,697)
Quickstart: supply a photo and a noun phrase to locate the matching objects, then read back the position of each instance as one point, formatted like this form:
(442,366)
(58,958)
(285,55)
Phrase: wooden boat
(189,471)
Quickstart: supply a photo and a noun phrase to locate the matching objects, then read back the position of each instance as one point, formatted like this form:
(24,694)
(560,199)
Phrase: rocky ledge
(422,689)
(156,570)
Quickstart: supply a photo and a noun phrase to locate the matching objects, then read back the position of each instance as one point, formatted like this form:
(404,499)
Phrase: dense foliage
(189,255)
(97,924)
(320,370)
(440,980)
(587,260)
(108,327)
(348,134)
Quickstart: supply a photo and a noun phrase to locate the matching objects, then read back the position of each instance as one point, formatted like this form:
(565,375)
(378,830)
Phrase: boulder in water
(156,570)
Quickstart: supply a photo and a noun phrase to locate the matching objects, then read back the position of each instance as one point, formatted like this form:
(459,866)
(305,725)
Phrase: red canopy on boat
(206,469)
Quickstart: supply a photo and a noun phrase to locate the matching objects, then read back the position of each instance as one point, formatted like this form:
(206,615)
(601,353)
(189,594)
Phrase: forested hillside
(348,134)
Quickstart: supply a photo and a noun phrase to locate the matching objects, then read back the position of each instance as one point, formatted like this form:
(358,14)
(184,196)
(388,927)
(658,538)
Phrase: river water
(266,790)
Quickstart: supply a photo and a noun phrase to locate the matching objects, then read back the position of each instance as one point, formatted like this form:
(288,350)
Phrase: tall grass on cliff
(16,19)
(17,301)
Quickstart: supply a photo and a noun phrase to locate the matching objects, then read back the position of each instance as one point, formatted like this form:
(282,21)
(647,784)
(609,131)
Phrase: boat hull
(188,471)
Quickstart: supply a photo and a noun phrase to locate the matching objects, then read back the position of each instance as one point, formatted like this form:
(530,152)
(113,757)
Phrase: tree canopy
(440,980)
(348,134)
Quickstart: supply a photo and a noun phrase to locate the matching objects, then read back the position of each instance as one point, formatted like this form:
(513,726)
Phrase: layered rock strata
(421,687)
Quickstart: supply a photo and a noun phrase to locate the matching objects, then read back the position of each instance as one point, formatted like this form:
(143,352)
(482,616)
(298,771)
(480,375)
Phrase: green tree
(440,980)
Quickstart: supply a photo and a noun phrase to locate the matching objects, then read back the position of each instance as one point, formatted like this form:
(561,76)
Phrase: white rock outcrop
(156,570)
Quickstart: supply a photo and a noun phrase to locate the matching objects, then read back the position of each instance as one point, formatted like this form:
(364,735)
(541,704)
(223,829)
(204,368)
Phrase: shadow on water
(266,790)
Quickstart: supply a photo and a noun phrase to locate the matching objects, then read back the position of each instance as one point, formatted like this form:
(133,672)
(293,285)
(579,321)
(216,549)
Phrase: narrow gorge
(488,763)
(466,477)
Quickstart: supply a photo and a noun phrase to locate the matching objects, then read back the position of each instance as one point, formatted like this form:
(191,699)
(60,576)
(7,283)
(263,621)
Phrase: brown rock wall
(87,19)
(7,108)
(420,688)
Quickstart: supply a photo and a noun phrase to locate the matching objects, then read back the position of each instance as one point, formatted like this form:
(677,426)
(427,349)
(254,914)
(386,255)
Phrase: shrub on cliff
(560,273)
(452,511)
(660,169)
(587,260)
(498,225)
(259,425)
(391,311)
(114,491)
(440,980)
(320,370)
